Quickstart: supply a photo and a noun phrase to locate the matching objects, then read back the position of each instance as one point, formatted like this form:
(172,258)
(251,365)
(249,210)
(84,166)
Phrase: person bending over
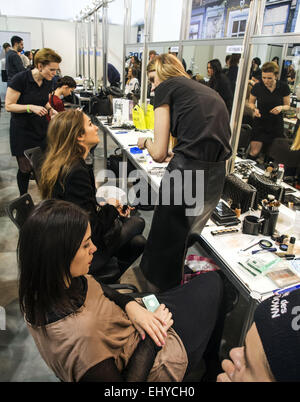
(197,117)
(86,331)
(65,175)
(65,86)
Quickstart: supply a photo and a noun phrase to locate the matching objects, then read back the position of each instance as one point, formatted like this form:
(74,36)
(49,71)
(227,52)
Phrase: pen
(280,291)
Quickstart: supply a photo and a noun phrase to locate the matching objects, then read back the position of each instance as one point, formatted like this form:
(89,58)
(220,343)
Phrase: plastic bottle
(280,173)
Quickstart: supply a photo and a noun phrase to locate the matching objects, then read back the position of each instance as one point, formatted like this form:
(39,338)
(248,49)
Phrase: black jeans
(197,311)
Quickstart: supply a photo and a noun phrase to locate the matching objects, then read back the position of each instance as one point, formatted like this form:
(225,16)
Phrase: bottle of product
(291,245)
(280,173)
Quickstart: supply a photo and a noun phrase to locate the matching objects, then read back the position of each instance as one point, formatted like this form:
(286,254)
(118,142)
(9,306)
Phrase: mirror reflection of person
(268,99)
(219,82)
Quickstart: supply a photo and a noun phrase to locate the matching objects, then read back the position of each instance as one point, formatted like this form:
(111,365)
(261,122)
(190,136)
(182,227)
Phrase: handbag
(264,187)
(238,192)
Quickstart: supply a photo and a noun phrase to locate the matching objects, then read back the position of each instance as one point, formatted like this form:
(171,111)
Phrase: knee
(139,223)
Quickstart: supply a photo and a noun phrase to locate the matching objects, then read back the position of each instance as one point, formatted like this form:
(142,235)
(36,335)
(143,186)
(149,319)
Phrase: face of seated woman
(90,138)
(83,258)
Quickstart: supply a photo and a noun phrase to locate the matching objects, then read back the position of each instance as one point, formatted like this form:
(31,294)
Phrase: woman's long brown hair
(63,149)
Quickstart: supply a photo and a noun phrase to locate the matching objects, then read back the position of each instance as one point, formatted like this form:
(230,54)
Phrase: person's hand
(276,110)
(257,113)
(169,157)
(52,113)
(234,368)
(116,203)
(155,324)
(38,110)
(141,142)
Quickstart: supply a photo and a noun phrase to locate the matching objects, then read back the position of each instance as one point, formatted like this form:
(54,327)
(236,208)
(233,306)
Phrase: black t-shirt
(199,119)
(221,84)
(28,130)
(267,100)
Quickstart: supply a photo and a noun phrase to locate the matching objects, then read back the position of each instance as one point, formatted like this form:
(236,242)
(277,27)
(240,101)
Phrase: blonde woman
(65,175)
(27,98)
(197,117)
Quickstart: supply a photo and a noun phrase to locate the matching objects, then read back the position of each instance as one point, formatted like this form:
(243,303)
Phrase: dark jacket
(13,64)
(79,188)
(221,84)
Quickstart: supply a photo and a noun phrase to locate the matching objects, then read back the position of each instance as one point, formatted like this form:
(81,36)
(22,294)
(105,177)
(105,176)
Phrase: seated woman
(86,331)
(132,83)
(65,175)
(64,87)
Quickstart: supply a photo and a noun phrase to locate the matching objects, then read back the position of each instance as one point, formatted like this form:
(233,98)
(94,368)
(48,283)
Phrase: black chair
(244,141)
(35,157)
(19,210)
(280,152)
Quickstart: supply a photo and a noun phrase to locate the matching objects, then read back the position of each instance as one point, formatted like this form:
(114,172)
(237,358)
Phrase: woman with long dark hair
(65,175)
(219,82)
(86,331)
(197,117)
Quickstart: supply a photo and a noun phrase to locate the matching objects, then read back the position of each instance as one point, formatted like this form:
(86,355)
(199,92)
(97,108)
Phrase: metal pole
(104,42)
(76,49)
(242,82)
(89,47)
(95,50)
(185,24)
(144,84)
(126,34)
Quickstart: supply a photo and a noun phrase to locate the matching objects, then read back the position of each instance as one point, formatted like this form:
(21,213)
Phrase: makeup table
(225,249)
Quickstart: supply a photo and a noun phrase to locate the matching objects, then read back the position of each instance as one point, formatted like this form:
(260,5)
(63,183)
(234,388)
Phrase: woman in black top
(255,72)
(272,98)
(219,82)
(197,117)
(27,98)
(233,70)
(55,251)
(65,175)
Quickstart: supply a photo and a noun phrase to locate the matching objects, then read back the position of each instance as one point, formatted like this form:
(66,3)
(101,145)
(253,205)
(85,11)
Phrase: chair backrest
(35,157)
(19,209)
(281,153)
(245,136)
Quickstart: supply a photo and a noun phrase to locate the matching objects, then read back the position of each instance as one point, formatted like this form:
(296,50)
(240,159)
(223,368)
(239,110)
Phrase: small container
(291,245)
(280,173)
(270,221)
(238,210)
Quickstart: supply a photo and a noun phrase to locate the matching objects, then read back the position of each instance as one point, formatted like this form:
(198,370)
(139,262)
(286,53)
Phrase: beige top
(98,331)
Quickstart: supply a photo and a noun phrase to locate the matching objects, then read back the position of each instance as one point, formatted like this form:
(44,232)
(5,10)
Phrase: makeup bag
(238,192)
(264,187)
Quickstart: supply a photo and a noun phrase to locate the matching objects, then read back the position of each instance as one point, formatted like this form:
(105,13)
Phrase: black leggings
(198,317)
(23,174)
(131,246)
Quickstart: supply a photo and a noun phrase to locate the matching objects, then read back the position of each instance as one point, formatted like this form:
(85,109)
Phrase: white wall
(57,9)
(58,35)
(167,20)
